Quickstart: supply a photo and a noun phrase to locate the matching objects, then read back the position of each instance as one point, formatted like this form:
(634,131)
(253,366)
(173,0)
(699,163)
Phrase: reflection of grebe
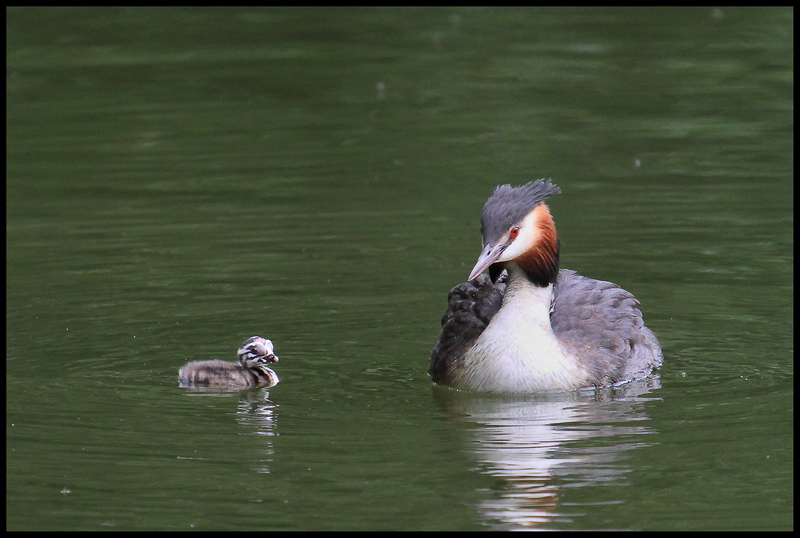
(540,329)
(251,370)
(537,447)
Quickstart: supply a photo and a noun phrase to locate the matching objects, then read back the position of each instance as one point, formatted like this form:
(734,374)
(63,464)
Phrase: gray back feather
(600,321)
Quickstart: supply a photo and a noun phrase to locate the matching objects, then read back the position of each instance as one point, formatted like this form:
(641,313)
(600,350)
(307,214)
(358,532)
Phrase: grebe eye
(513,232)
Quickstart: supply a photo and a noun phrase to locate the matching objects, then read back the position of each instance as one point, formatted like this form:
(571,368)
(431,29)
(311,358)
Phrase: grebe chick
(251,370)
(528,326)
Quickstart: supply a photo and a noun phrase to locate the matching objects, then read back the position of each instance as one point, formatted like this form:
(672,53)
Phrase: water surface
(182,179)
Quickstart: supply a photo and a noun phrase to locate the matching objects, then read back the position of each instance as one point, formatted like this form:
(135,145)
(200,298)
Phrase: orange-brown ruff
(528,326)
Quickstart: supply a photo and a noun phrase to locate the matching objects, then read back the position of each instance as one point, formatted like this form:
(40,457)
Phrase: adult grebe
(528,327)
(251,370)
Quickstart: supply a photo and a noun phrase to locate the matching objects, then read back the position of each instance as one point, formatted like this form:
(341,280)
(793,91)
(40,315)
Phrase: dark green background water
(181,179)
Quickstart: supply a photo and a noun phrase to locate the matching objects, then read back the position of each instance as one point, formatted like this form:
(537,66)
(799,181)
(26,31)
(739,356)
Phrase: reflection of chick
(251,370)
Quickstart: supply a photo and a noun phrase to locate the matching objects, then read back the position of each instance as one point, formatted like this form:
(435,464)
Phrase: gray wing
(602,325)
(470,307)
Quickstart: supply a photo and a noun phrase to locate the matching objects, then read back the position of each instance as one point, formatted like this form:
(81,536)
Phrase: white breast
(518,351)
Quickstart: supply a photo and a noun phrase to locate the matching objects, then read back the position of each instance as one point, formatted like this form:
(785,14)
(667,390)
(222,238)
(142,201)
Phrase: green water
(181,179)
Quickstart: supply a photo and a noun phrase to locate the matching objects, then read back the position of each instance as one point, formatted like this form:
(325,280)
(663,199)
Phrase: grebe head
(517,227)
(257,351)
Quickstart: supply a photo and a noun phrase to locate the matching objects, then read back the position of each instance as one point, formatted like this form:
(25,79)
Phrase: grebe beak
(489,256)
(271,357)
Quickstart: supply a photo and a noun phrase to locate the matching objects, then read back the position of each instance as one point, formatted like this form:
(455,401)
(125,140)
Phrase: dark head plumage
(508,205)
